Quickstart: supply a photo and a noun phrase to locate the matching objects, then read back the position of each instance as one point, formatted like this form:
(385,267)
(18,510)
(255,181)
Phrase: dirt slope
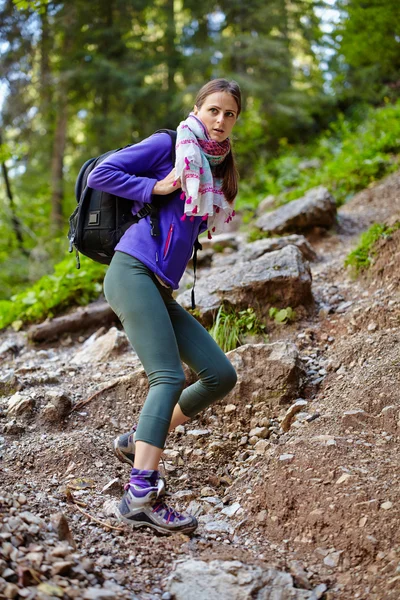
(324,495)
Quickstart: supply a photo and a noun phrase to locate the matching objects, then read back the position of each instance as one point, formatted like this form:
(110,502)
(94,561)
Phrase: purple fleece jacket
(132,173)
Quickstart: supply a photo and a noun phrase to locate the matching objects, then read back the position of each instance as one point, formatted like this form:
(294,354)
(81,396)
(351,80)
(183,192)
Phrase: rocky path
(296,492)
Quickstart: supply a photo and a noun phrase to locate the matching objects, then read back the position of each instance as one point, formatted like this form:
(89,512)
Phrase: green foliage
(351,156)
(282,315)
(51,294)
(362,256)
(367,61)
(230,327)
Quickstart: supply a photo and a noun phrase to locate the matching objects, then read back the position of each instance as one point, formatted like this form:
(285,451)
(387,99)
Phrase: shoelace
(170,513)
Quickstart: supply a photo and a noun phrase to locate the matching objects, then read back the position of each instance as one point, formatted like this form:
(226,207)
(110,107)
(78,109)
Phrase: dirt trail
(332,505)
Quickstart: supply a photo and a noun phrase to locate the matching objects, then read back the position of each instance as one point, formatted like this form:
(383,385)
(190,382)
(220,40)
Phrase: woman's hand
(169,184)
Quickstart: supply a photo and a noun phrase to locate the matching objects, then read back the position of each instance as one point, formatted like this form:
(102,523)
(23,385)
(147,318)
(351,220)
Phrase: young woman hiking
(199,190)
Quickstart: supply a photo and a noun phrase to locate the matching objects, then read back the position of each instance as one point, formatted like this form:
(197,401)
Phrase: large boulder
(269,375)
(219,580)
(280,278)
(256,249)
(317,208)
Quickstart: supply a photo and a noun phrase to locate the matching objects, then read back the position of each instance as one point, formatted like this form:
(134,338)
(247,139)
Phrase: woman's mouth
(219,130)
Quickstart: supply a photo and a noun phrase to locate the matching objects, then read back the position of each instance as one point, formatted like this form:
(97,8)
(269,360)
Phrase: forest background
(321,86)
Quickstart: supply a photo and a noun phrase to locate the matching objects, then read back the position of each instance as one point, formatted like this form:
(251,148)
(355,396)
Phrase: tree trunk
(57,162)
(15,222)
(170,47)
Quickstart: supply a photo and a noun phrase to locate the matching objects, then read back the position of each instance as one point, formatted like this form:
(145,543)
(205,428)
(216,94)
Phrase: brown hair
(227,170)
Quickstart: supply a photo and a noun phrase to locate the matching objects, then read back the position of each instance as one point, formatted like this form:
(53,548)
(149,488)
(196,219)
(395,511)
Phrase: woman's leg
(134,295)
(198,349)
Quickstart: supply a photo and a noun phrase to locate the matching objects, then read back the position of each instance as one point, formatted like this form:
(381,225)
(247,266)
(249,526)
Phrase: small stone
(19,405)
(207,491)
(260,432)
(299,574)
(93,593)
(387,505)
(229,408)
(49,589)
(253,440)
(291,412)
(230,511)
(286,458)
(355,418)
(11,590)
(62,567)
(261,516)
(179,429)
(218,527)
(343,478)
(261,446)
(243,440)
(372,326)
(166,596)
(363,521)
(195,508)
(112,487)
(319,591)
(60,525)
(199,432)
(332,560)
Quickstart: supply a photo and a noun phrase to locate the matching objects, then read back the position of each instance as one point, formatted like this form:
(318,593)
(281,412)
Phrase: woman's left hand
(169,184)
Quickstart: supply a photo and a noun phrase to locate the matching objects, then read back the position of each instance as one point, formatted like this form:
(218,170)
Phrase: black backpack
(100,219)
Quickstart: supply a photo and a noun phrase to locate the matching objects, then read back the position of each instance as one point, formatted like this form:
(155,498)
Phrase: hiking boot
(124,447)
(142,506)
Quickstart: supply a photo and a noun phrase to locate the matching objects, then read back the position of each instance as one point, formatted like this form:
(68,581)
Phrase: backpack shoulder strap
(172,134)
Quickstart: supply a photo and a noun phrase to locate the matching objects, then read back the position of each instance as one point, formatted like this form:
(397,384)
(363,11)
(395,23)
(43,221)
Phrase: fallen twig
(72,500)
(105,388)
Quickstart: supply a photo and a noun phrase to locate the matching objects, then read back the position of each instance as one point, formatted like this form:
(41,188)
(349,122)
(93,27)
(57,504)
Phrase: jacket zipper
(168,241)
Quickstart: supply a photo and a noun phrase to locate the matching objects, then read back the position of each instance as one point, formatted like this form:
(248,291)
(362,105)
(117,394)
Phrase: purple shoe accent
(143,478)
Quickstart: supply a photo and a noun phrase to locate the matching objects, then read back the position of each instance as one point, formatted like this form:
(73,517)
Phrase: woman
(144,271)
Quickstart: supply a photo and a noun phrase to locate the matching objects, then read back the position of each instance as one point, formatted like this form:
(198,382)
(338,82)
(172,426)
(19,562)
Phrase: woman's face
(219,114)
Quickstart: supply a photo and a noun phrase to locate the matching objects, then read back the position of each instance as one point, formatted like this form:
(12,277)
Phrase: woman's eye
(230,114)
(213,110)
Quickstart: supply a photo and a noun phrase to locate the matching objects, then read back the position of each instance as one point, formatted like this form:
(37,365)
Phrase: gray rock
(221,241)
(219,527)
(317,208)
(267,204)
(19,405)
(232,580)
(58,407)
(269,374)
(260,247)
(93,593)
(279,278)
(98,349)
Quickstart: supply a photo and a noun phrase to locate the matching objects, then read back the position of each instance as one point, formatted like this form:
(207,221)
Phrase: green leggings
(163,333)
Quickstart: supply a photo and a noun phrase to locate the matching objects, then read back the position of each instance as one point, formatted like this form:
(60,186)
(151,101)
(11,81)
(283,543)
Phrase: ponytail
(229,174)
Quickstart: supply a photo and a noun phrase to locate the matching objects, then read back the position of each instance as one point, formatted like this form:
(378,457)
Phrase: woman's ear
(195,110)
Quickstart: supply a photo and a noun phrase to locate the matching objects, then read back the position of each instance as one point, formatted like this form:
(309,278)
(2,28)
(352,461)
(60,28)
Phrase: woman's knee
(228,378)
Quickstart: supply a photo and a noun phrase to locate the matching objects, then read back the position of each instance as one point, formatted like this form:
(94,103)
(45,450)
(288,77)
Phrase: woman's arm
(128,172)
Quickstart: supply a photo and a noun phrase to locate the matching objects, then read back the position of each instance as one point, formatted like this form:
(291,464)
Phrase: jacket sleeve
(129,173)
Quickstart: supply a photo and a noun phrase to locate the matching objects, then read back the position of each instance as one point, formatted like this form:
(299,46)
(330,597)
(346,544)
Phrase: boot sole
(162,530)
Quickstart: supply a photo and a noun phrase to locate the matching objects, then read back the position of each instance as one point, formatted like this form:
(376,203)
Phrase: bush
(362,256)
(51,294)
(231,327)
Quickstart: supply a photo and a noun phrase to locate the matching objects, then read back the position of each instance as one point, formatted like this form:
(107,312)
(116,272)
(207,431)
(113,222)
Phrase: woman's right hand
(169,184)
